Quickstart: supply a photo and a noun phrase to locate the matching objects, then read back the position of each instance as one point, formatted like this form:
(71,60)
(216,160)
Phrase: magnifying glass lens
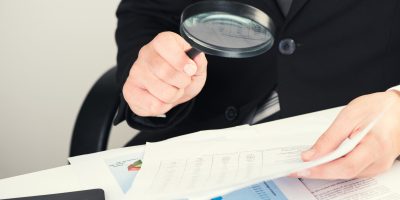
(224,30)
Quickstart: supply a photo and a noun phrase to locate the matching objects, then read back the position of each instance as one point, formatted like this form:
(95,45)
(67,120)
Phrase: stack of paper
(238,163)
(226,160)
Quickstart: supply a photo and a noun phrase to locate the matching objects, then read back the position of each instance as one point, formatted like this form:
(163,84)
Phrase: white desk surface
(56,180)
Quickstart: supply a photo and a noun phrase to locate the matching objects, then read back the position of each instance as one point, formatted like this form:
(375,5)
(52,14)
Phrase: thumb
(201,62)
(339,130)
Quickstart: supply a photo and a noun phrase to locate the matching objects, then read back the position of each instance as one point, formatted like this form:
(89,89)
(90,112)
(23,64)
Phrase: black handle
(192,53)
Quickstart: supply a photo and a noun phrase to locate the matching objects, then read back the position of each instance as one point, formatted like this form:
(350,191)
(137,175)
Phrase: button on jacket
(325,54)
(287,46)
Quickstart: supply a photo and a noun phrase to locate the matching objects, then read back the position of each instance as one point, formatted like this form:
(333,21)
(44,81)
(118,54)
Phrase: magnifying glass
(227,29)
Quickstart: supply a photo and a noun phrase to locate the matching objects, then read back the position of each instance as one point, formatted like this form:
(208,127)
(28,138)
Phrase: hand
(163,76)
(375,153)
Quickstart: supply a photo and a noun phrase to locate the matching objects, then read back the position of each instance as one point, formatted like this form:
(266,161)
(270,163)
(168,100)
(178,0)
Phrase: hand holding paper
(375,153)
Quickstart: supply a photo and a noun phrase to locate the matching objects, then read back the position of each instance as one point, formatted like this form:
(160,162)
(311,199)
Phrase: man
(326,54)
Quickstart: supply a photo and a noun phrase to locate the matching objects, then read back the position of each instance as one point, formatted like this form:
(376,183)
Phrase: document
(114,174)
(368,188)
(279,189)
(114,171)
(383,187)
(226,161)
(124,169)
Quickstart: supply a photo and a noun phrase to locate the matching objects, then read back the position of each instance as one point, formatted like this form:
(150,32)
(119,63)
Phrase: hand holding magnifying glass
(164,75)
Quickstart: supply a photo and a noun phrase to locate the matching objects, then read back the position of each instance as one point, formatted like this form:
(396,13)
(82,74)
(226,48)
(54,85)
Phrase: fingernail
(308,155)
(190,69)
(304,173)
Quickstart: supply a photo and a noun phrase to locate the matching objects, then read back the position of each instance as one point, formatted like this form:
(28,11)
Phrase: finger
(171,47)
(166,93)
(165,72)
(343,126)
(142,103)
(372,172)
(194,88)
(377,167)
(349,166)
(369,172)
(201,62)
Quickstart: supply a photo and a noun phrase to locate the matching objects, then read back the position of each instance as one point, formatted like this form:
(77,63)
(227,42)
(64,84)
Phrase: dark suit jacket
(344,49)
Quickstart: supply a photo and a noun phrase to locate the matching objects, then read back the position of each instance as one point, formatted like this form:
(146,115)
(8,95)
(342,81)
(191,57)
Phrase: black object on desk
(95,194)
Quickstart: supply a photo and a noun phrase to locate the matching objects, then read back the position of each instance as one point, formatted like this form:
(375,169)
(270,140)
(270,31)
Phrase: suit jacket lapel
(273,10)
(295,8)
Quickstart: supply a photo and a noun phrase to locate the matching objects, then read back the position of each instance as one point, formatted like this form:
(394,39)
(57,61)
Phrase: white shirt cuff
(397,88)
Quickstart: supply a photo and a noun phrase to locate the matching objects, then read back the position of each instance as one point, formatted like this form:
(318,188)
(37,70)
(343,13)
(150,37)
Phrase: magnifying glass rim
(232,8)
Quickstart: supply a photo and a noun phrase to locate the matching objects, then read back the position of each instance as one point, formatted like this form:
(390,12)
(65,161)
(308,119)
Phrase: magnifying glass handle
(192,53)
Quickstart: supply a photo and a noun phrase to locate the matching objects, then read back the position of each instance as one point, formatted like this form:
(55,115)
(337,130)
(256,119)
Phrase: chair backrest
(94,121)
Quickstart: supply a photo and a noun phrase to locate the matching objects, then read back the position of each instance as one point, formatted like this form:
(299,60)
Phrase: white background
(51,52)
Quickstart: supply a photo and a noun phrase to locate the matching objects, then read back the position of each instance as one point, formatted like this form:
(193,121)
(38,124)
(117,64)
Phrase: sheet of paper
(382,187)
(124,169)
(205,168)
(279,189)
(120,164)
(107,170)
(213,170)
(368,188)
(114,171)
(260,191)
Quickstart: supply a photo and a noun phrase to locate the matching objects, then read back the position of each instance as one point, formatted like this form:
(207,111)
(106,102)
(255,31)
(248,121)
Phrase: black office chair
(94,121)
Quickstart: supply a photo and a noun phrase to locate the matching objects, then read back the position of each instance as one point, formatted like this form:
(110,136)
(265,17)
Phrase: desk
(57,180)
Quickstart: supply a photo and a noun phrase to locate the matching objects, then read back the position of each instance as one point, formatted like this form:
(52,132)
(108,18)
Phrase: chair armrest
(93,124)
